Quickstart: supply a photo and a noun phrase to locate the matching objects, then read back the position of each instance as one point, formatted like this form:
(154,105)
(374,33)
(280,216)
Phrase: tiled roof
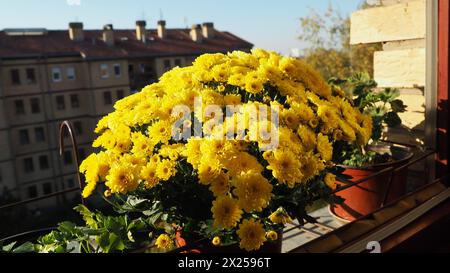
(57,43)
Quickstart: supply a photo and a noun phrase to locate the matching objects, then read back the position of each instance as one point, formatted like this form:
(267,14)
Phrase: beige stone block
(397,22)
(400,68)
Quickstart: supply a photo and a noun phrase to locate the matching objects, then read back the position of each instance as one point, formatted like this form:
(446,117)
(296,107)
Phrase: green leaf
(8,247)
(24,248)
(67,227)
(392,119)
(88,216)
(398,106)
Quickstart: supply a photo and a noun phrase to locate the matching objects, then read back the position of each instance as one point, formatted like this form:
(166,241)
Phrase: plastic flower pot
(368,196)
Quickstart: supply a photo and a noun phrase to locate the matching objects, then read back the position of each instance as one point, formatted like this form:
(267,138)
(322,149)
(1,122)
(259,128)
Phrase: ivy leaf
(392,119)
(398,106)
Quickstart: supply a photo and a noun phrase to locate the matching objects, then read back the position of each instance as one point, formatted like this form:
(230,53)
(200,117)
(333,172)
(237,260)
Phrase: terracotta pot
(268,247)
(368,196)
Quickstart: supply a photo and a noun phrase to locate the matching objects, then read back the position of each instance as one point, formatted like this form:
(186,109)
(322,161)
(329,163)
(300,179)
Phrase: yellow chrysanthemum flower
(226,212)
(122,178)
(148,174)
(280,216)
(164,242)
(324,147)
(220,185)
(216,241)
(251,234)
(253,191)
(272,235)
(330,180)
(166,169)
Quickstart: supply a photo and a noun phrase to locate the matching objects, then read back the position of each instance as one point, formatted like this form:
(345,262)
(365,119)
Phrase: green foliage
(382,105)
(327,37)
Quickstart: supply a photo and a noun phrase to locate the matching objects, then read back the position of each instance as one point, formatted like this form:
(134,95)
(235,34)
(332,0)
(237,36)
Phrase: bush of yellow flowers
(230,176)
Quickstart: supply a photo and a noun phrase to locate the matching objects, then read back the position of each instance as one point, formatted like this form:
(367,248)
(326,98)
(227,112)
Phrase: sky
(268,24)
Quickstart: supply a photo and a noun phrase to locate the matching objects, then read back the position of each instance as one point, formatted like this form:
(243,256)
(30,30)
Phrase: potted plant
(360,161)
(230,149)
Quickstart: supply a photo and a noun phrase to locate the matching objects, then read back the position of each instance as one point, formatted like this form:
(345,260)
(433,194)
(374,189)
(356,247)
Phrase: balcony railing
(315,230)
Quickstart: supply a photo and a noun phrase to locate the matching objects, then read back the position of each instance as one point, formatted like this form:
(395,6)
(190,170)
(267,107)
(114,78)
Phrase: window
(107,99)
(24,138)
(28,165)
(74,101)
(60,103)
(130,69)
(177,62)
(78,127)
(70,183)
(81,154)
(70,73)
(20,108)
(15,76)
(31,76)
(32,191)
(117,70)
(56,74)
(142,68)
(167,64)
(120,94)
(39,134)
(104,73)
(35,106)
(47,188)
(67,157)
(43,162)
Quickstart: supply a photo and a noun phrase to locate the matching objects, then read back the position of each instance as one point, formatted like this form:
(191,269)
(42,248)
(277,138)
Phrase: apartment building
(47,76)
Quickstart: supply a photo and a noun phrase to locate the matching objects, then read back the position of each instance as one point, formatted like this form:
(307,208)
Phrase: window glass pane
(67,157)
(15,76)
(56,74)
(31,77)
(71,73)
(117,70)
(35,106)
(104,73)
(107,99)
(28,165)
(24,138)
(43,162)
(60,103)
(39,134)
(78,127)
(120,94)
(74,101)
(20,109)
(47,188)
(32,191)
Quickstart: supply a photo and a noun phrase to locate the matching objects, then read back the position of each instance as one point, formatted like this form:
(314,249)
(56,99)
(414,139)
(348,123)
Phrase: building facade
(77,75)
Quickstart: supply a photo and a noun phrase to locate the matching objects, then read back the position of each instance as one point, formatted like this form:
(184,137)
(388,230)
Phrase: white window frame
(70,71)
(58,71)
(104,67)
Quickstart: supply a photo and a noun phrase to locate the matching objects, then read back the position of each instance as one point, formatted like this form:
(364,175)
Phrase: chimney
(108,35)
(162,29)
(208,30)
(196,33)
(140,30)
(76,31)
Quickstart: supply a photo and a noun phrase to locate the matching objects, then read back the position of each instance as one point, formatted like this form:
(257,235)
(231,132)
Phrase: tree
(329,50)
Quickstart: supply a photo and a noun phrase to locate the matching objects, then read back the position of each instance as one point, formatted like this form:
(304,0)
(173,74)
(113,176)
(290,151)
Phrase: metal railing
(66,126)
